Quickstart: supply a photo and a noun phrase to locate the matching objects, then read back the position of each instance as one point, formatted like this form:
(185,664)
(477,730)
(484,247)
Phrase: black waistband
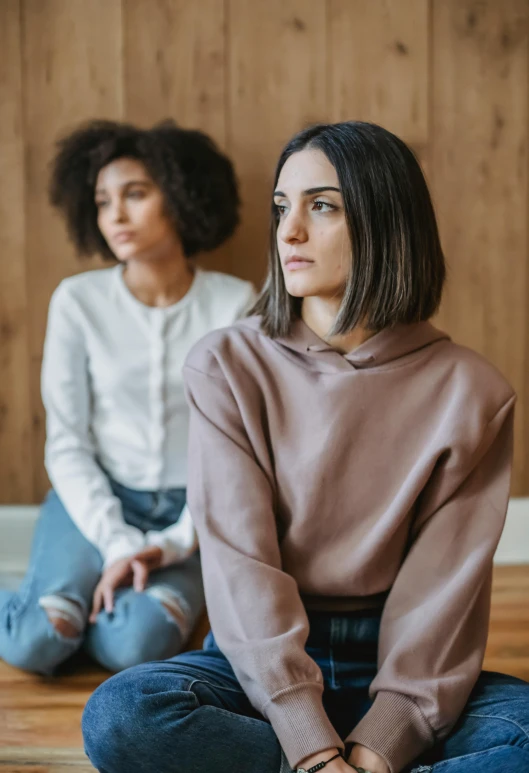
(359,606)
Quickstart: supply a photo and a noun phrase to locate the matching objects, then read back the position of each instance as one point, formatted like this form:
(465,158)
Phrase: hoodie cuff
(300,722)
(395,728)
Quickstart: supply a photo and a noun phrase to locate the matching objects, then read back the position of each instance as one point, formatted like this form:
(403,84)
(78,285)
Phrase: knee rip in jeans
(173,603)
(64,614)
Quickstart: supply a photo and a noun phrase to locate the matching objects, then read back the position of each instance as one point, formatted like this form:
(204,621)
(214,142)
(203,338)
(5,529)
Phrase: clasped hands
(360,756)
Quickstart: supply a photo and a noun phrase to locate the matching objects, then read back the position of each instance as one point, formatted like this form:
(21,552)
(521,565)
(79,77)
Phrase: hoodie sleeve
(255,609)
(435,621)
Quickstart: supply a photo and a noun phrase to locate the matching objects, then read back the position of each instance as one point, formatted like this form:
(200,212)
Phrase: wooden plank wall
(449,76)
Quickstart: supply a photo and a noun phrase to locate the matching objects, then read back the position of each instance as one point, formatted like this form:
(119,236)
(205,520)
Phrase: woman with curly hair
(114,565)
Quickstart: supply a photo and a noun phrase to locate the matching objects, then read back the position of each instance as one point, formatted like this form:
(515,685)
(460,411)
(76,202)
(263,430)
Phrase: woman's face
(131,212)
(312,235)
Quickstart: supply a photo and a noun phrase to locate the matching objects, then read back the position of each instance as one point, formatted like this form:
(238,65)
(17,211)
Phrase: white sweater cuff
(124,546)
(177,542)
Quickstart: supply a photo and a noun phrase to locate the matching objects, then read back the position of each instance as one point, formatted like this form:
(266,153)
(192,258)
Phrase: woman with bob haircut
(349,478)
(114,566)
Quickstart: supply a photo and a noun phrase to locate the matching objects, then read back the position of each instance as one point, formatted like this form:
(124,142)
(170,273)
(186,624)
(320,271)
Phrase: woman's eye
(100,204)
(323,206)
(280,209)
(135,194)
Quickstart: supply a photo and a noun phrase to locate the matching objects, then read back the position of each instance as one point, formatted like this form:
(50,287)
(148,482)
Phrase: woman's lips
(295,264)
(121,238)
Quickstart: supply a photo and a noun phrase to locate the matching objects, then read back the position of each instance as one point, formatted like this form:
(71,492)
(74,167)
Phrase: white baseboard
(16,529)
(17,523)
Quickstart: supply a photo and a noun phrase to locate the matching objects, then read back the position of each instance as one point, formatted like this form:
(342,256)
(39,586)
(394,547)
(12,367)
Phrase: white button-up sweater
(115,406)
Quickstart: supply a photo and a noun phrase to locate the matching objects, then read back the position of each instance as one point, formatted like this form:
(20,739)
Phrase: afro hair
(197,180)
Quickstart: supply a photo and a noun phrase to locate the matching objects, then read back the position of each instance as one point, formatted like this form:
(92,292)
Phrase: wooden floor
(39,718)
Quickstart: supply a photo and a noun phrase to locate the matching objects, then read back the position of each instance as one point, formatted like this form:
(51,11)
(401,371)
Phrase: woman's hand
(339,765)
(143,563)
(133,570)
(363,757)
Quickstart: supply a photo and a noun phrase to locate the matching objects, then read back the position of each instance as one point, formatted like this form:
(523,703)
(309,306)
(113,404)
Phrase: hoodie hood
(382,348)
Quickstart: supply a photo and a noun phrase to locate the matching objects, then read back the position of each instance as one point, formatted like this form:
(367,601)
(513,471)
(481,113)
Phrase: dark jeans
(190,715)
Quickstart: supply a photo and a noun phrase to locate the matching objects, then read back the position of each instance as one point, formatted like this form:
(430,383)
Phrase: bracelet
(319,766)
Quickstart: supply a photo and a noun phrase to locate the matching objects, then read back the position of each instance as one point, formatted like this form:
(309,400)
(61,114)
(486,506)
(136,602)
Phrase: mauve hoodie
(379,477)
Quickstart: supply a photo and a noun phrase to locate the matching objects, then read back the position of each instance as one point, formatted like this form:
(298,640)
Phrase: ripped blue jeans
(191,714)
(63,572)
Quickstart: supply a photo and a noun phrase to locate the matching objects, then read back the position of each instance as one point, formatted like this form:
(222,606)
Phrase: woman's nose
(292,228)
(117,212)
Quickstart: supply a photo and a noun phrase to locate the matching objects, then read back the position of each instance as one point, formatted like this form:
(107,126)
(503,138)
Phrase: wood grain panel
(479,172)
(449,76)
(72,65)
(378,65)
(16,463)
(174,54)
(277,85)
(75,762)
(174,67)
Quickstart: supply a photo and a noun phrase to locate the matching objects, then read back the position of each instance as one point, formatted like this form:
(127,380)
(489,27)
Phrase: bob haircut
(197,181)
(398,268)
